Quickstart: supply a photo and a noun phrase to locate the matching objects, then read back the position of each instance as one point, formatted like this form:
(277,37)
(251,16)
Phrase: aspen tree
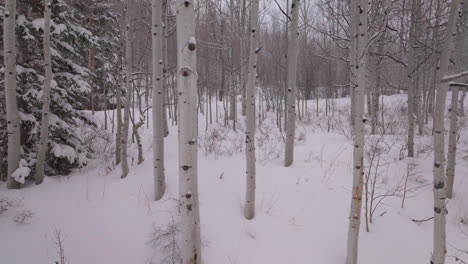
(452,147)
(118,89)
(12,115)
(188,122)
(413,39)
(440,211)
(158,101)
(42,147)
(128,94)
(455,109)
(360,28)
(293,51)
(249,208)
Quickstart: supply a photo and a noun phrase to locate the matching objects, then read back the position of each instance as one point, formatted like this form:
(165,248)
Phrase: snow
(64,151)
(22,172)
(301,211)
(455,76)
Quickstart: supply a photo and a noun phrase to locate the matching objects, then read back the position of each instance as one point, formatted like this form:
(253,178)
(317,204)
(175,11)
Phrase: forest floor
(301,211)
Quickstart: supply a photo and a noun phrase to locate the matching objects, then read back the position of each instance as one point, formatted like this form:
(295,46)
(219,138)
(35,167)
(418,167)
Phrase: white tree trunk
(12,115)
(352,60)
(188,122)
(360,27)
(411,73)
(293,52)
(128,94)
(42,147)
(158,101)
(462,103)
(440,211)
(460,49)
(118,89)
(452,147)
(249,208)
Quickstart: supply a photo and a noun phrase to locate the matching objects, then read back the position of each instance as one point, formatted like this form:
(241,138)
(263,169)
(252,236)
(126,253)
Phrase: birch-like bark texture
(293,52)
(359,128)
(460,65)
(415,4)
(452,147)
(188,122)
(158,101)
(462,103)
(118,138)
(249,208)
(42,147)
(12,115)
(118,89)
(165,83)
(440,211)
(128,93)
(352,60)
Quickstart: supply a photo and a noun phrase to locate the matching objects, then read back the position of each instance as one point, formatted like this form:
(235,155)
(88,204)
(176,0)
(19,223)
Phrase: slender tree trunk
(460,50)
(128,94)
(42,147)
(358,8)
(452,147)
(249,209)
(158,101)
(12,115)
(187,89)
(462,103)
(440,211)
(412,83)
(292,86)
(118,90)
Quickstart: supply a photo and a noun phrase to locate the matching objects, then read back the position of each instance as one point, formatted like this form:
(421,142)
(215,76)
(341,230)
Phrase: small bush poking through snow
(23,217)
(164,241)
(221,141)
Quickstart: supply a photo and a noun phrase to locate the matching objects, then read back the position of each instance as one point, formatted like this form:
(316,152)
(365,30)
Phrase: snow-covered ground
(301,211)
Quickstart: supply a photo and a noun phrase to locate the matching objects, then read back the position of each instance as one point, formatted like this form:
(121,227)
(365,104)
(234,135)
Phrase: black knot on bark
(439,185)
(437,210)
(191,46)
(185,73)
(293,5)
(191,142)
(253,30)
(437,165)
(185,167)
(189,207)
(188,196)
(358,167)
(186,3)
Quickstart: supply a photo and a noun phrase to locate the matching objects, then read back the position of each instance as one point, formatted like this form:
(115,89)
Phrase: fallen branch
(422,220)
